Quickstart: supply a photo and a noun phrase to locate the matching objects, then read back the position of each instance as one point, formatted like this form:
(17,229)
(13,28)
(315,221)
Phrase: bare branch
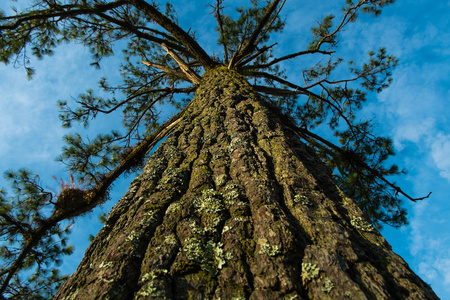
(183,37)
(270,24)
(132,29)
(191,75)
(218,16)
(167,70)
(250,43)
(254,56)
(290,56)
(274,91)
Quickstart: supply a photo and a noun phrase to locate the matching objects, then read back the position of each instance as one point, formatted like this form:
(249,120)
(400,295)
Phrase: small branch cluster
(163,66)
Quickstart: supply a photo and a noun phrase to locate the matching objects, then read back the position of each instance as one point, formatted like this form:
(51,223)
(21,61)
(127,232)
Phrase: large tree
(243,199)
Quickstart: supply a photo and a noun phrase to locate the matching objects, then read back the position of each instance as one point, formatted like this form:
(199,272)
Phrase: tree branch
(251,41)
(218,16)
(184,38)
(300,91)
(398,190)
(190,74)
(254,56)
(167,70)
(93,196)
(270,23)
(50,13)
(286,57)
(133,29)
(347,18)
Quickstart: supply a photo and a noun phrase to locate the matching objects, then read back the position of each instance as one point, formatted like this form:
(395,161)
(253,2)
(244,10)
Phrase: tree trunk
(234,206)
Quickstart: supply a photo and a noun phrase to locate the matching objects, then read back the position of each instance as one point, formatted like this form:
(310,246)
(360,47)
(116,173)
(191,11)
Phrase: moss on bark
(233,205)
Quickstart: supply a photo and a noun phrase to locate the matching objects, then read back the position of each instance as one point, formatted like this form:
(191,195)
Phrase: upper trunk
(233,205)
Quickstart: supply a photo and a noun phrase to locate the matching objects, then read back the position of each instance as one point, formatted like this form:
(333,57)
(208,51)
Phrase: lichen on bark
(234,205)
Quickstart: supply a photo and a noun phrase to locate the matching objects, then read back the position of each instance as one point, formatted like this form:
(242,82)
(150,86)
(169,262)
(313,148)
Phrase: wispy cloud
(440,149)
(432,255)
(414,111)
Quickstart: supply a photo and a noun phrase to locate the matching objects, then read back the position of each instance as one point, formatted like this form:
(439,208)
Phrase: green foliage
(92,159)
(22,216)
(233,32)
(159,58)
(322,34)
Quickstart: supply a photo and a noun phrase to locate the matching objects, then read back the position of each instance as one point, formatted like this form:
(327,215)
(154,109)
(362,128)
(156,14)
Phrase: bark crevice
(233,205)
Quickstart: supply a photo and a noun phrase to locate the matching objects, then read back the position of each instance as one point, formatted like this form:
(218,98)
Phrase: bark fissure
(233,205)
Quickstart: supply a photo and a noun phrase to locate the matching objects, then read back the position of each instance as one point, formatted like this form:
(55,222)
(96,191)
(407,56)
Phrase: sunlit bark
(233,205)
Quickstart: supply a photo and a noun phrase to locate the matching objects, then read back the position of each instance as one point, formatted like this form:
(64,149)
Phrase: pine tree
(243,199)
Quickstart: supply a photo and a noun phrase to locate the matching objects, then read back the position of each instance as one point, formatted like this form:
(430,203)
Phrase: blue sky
(414,111)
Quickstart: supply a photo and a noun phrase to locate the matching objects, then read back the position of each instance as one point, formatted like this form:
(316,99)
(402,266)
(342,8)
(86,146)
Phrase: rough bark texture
(233,205)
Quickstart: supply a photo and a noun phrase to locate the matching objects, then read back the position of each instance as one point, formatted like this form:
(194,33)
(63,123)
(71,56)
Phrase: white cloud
(440,149)
(411,131)
(430,244)
(434,266)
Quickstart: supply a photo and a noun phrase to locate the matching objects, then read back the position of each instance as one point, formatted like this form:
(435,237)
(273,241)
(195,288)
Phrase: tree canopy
(163,64)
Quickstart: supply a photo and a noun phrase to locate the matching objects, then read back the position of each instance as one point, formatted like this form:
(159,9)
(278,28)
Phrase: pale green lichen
(213,224)
(361,224)
(231,195)
(303,200)
(240,219)
(327,285)
(171,177)
(151,170)
(226,228)
(209,202)
(270,250)
(235,143)
(210,255)
(173,207)
(210,226)
(153,274)
(105,264)
(197,230)
(221,179)
(219,256)
(150,288)
(194,250)
(133,235)
(171,152)
(309,271)
(149,218)
(171,240)
(230,187)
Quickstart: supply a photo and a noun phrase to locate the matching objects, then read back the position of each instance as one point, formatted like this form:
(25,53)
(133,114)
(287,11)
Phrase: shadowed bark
(233,205)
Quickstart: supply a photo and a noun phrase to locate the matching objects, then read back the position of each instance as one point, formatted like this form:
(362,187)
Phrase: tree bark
(234,206)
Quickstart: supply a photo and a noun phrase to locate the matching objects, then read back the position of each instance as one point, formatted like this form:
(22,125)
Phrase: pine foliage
(162,67)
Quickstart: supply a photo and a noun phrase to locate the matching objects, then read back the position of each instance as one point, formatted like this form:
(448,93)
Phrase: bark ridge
(233,206)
